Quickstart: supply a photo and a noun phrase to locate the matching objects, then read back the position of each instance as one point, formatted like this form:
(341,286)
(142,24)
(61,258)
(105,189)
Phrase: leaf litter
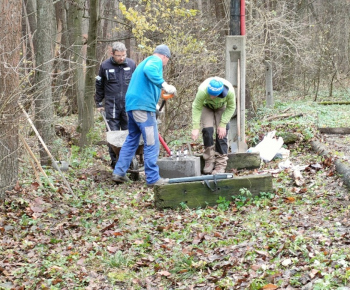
(112,237)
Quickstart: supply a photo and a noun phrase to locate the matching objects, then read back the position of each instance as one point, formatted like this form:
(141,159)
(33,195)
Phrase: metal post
(235,50)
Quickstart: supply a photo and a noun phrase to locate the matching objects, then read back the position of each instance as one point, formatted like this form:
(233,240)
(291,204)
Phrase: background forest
(51,50)
(77,229)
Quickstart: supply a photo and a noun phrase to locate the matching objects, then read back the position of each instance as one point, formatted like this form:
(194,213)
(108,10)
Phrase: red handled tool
(165,96)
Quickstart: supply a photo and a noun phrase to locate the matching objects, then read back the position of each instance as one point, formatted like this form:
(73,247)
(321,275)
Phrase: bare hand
(195,133)
(221,132)
(100,109)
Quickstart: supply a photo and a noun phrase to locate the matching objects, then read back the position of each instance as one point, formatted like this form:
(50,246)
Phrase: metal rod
(242,17)
(201,178)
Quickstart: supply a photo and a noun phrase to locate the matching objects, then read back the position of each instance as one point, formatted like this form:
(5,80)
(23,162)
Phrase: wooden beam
(199,194)
(283,116)
(334,103)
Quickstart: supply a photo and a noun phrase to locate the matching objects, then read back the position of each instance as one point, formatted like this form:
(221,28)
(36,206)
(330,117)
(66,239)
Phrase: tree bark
(10,35)
(62,56)
(43,40)
(88,104)
(75,15)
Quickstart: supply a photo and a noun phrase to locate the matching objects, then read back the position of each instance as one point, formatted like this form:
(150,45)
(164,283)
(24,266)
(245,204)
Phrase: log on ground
(336,130)
(199,194)
(343,168)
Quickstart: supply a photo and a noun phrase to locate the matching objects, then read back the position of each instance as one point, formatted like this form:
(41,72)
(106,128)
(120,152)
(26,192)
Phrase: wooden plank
(340,130)
(243,161)
(198,194)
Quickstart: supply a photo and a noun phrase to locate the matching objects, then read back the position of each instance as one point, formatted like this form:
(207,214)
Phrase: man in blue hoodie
(141,101)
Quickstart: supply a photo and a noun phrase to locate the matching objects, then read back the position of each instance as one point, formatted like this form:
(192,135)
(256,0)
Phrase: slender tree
(75,19)
(10,35)
(87,109)
(44,57)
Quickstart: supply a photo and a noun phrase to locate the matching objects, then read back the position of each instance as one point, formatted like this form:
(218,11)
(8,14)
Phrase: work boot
(220,164)
(209,158)
(119,178)
(113,163)
(160,181)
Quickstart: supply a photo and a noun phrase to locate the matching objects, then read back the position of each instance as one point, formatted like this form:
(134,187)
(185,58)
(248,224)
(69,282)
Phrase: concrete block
(239,161)
(243,161)
(179,167)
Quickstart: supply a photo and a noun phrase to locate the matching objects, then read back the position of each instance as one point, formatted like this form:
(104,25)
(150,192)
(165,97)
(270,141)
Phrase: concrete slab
(179,167)
(239,161)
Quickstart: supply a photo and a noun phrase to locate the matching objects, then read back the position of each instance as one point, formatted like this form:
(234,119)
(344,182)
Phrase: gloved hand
(169,88)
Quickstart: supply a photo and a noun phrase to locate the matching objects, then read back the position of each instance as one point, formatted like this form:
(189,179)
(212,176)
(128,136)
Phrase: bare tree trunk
(31,23)
(43,40)
(75,15)
(220,10)
(200,5)
(62,54)
(88,103)
(10,35)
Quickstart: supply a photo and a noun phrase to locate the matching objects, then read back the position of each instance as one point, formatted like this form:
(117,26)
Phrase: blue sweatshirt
(145,85)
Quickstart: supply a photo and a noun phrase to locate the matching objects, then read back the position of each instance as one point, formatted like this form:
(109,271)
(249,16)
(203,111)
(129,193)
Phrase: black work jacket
(111,85)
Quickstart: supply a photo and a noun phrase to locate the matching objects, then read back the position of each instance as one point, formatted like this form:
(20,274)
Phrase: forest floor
(109,236)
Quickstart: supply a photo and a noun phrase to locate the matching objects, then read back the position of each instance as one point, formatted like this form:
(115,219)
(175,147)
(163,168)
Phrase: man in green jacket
(213,107)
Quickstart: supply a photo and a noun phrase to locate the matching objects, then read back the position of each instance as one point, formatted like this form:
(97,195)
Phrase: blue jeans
(145,123)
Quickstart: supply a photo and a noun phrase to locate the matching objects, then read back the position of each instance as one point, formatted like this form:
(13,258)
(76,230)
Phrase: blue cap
(163,49)
(215,87)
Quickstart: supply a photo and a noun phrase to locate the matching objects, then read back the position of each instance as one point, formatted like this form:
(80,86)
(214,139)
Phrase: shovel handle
(103,113)
(161,140)
(162,105)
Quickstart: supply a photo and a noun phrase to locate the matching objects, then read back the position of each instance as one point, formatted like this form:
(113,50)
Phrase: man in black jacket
(111,85)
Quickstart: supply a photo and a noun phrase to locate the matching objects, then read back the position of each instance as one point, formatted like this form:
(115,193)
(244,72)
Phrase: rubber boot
(220,163)
(209,158)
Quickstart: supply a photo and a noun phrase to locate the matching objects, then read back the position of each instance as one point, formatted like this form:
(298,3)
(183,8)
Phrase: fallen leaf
(287,262)
(112,249)
(81,262)
(17,187)
(255,267)
(270,286)
(313,273)
(164,273)
(262,253)
(35,185)
(36,208)
(290,199)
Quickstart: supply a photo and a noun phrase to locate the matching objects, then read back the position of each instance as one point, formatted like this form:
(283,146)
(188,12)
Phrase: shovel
(115,138)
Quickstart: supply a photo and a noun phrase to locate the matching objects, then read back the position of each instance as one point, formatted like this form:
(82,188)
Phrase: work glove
(169,88)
